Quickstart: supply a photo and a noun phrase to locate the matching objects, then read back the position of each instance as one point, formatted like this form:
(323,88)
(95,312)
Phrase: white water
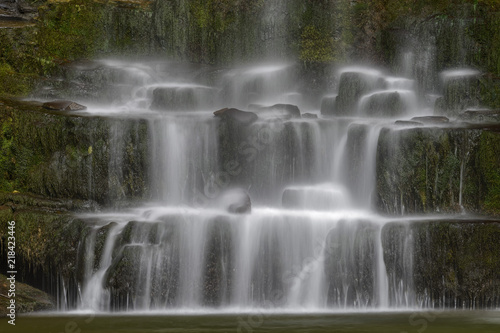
(323,251)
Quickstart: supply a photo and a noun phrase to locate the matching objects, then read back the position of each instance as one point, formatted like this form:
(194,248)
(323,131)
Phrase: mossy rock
(428,170)
(58,155)
(28,299)
(447,263)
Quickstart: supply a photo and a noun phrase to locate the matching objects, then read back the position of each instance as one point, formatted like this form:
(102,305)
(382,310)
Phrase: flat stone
(408,123)
(431,120)
(63,105)
(481,116)
(239,116)
(310,116)
(286,111)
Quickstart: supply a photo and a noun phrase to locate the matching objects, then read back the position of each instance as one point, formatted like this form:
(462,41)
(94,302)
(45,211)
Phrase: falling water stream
(311,240)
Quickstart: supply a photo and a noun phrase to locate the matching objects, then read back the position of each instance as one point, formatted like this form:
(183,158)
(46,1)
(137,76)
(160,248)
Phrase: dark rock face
(40,263)
(431,120)
(16,10)
(328,105)
(460,92)
(480,116)
(383,104)
(350,264)
(425,170)
(236,117)
(28,299)
(63,106)
(71,157)
(218,264)
(352,86)
(447,263)
(182,98)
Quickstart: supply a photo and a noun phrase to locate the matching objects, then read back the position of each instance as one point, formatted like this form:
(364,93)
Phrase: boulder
(408,123)
(328,105)
(353,85)
(461,91)
(236,116)
(383,104)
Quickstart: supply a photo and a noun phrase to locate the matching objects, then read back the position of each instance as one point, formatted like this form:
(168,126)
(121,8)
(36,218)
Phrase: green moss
(70,30)
(48,154)
(13,83)
(316,46)
(489,164)
(434,170)
(6,156)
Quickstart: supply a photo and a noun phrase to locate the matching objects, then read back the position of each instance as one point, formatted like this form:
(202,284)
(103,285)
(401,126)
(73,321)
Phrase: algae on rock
(71,157)
(425,170)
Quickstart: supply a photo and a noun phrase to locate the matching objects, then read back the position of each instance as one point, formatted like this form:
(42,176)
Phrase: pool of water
(400,322)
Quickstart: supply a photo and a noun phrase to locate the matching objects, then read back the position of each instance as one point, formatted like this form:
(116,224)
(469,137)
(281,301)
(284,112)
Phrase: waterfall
(310,241)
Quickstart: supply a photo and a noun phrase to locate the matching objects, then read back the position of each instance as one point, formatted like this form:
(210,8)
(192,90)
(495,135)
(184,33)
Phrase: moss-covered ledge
(28,299)
(62,156)
(439,169)
(48,238)
(448,263)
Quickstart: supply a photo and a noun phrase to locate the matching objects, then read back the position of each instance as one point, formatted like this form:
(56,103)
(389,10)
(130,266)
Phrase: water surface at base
(397,322)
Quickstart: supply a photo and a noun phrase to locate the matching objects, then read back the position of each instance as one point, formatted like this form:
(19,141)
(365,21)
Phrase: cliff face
(59,155)
(55,163)
(440,34)
(435,170)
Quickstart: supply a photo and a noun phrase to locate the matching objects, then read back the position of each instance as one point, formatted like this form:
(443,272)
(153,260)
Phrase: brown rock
(63,105)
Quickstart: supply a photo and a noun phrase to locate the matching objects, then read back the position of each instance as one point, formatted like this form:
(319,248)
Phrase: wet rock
(236,116)
(383,104)
(438,169)
(350,263)
(452,262)
(62,105)
(218,264)
(69,156)
(408,123)
(28,299)
(461,91)
(24,8)
(328,105)
(236,201)
(481,116)
(11,18)
(182,98)
(286,111)
(431,120)
(309,116)
(352,86)
(123,275)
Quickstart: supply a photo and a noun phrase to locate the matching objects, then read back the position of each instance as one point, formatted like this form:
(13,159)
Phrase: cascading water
(309,242)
